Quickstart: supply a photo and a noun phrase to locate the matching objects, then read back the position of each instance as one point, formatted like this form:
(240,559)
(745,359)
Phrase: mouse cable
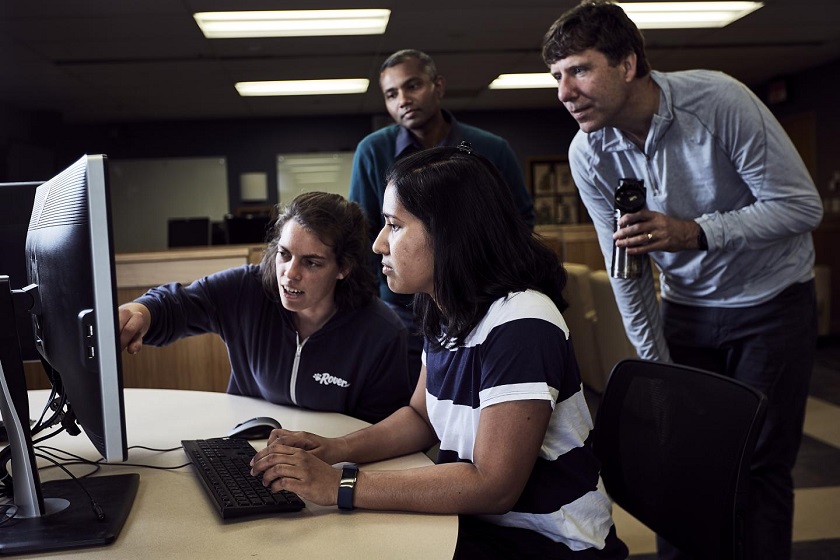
(70,459)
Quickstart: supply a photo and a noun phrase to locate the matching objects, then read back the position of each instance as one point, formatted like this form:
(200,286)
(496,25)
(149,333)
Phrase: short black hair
(399,57)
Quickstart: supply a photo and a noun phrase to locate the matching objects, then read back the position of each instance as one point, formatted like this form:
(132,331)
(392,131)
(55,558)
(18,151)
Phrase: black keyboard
(223,467)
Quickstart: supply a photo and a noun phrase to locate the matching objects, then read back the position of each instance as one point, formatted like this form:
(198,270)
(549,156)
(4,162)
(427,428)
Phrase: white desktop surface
(173,518)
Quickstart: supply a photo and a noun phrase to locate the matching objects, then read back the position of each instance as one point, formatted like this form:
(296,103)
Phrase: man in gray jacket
(729,211)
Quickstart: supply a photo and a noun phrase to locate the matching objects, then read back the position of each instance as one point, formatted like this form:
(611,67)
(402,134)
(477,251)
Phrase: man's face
(412,98)
(593,91)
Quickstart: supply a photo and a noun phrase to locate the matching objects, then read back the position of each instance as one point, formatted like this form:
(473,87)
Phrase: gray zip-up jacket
(714,154)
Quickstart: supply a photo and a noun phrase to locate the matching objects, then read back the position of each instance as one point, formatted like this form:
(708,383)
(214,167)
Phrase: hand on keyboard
(298,470)
(223,467)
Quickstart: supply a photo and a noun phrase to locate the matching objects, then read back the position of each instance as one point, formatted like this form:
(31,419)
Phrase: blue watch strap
(347,486)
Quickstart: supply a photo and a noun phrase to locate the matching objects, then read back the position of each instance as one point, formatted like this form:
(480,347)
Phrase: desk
(173,518)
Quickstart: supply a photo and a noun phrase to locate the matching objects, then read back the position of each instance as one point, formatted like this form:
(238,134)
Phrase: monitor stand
(70,520)
(58,514)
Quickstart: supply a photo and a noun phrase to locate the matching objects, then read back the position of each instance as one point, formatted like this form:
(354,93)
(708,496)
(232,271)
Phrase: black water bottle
(629,198)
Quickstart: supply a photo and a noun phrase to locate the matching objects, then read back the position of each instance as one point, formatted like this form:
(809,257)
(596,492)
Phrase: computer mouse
(255,428)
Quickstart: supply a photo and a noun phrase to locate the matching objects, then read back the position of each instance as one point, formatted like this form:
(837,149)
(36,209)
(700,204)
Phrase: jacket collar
(407,143)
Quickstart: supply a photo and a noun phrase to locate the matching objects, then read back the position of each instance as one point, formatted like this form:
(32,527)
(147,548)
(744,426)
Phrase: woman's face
(407,257)
(306,271)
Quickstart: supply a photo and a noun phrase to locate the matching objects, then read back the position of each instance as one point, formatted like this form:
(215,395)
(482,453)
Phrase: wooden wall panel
(198,362)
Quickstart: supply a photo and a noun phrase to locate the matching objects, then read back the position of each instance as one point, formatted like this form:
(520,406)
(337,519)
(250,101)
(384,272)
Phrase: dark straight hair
(483,250)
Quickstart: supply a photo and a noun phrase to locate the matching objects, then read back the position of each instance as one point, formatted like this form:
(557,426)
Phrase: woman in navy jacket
(304,327)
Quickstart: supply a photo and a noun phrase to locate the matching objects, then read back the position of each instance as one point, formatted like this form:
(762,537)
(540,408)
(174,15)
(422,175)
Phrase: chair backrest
(675,445)
(613,345)
(580,318)
(247,229)
(188,232)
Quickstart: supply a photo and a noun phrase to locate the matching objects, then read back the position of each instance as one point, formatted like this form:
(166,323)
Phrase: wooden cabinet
(574,243)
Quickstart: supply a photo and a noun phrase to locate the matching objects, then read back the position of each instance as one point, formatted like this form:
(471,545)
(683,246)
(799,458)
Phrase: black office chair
(188,232)
(247,229)
(675,445)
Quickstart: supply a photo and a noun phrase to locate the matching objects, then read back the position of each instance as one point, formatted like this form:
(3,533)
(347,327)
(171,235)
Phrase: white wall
(326,172)
(145,193)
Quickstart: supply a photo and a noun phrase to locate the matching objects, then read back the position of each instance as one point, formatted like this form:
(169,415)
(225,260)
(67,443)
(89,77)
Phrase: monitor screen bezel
(70,258)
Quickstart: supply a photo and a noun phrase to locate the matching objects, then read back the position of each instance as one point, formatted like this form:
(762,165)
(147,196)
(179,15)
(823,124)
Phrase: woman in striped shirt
(499,388)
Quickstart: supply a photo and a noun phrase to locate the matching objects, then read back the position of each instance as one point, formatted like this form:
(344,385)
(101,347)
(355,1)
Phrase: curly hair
(483,250)
(339,224)
(599,25)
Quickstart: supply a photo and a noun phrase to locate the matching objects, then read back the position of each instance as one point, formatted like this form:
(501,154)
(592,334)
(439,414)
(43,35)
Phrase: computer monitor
(72,298)
(15,210)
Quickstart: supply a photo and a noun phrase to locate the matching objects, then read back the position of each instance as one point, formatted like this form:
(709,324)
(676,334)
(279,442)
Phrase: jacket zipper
(652,178)
(295,364)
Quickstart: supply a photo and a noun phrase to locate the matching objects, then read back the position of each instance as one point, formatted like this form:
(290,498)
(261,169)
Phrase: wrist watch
(347,486)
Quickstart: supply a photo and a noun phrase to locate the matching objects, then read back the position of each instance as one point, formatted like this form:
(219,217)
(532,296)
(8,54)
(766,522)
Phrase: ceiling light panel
(524,81)
(293,23)
(683,15)
(302,87)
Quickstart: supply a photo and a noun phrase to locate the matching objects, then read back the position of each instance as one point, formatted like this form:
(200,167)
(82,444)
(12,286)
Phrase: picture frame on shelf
(552,187)
(544,209)
(567,210)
